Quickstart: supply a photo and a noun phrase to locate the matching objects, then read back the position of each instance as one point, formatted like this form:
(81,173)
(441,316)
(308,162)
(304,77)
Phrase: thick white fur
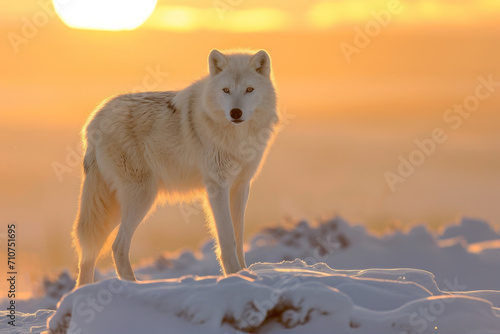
(178,146)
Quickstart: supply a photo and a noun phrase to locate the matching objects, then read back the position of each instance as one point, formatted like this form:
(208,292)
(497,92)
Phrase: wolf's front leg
(239,197)
(219,203)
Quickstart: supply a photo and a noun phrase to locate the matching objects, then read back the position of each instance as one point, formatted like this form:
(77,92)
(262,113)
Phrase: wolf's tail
(98,215)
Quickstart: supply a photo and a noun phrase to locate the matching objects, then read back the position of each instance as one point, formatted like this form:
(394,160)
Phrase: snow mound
(25,322)
(286,297)
(50,293)
(471,230)
(460,252)
(272,295)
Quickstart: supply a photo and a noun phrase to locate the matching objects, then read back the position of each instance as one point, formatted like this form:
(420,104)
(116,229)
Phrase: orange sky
(265,15)
(350,119)
(317,33)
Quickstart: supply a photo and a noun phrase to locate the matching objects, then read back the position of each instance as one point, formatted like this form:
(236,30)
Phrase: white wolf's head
(240,83)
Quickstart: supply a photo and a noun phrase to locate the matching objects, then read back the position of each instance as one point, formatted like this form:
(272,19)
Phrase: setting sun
(104,15)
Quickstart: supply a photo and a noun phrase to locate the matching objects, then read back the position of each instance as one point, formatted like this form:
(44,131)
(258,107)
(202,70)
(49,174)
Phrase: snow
(453,286)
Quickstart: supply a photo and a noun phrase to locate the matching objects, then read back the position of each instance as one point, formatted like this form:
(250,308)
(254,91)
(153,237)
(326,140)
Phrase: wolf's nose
(236,113)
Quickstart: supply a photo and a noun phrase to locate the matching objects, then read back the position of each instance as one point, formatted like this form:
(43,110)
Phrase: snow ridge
(430,283)
(278,298)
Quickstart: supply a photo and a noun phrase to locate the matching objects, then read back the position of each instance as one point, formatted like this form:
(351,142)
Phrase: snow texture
(454,287)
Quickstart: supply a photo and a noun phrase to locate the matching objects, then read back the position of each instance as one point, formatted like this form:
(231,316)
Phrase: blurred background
(359,83)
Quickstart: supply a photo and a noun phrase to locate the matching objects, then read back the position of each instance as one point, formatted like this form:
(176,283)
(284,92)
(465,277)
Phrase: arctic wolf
(207,141)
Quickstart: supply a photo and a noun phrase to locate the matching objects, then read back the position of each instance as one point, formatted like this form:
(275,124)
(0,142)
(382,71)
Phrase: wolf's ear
(216,62)
(261,62)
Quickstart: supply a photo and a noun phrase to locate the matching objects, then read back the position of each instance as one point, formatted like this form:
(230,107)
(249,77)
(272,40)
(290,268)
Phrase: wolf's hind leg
(136,201)
(98,215)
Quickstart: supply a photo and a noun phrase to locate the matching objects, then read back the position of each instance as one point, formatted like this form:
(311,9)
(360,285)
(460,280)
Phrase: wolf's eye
(225,90)
(249,89)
